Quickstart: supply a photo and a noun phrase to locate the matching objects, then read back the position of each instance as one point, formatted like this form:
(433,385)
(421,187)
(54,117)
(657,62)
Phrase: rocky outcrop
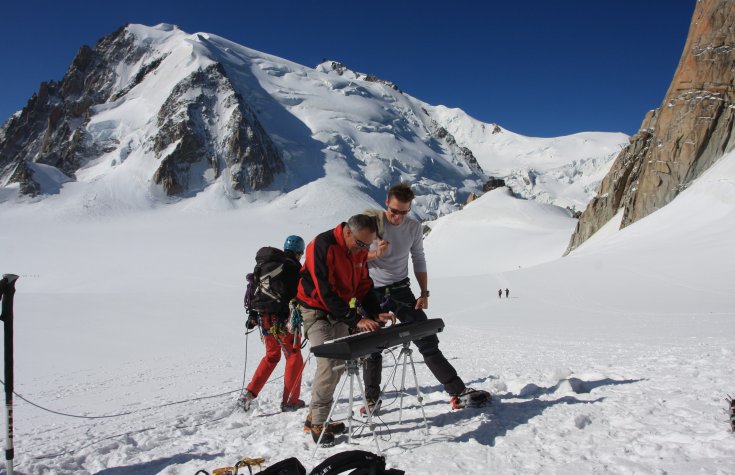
(190,139)
(683,137)
(341,69)
(464,154)
(470,198)
(50,128)
(24,176)
(493,183)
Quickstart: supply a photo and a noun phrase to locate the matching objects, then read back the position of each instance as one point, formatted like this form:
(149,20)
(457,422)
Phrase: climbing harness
(295,320)
(390,303)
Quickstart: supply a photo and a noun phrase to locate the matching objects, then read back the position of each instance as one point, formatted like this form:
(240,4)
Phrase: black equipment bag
(359,461)
(289,466)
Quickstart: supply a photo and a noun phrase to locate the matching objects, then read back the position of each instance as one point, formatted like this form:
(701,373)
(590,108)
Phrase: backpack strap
(267,277)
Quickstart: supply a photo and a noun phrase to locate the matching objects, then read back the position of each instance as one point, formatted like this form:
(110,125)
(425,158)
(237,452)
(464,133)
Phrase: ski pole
(7,291)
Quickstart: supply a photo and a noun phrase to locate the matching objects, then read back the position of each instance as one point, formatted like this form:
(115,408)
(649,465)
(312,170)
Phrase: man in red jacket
(334,273)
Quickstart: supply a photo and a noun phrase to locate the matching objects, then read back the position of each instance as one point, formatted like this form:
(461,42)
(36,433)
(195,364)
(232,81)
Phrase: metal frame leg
(353,371)
(406,355)
(329,416)
(419,396)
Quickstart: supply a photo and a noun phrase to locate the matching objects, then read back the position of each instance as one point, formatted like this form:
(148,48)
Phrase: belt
(401,284)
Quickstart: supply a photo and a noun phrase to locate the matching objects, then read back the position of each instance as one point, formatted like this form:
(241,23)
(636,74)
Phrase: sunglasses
(361,244)
(399,212)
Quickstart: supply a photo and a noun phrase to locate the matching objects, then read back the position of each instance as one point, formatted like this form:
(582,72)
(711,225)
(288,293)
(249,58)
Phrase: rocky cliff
(683,137)
(189,134)
(204,128)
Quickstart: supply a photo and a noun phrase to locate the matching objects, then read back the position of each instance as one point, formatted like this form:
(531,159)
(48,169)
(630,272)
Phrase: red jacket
(332,276)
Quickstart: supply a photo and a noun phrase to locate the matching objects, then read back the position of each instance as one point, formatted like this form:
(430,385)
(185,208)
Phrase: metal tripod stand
(353,373)
(407,355)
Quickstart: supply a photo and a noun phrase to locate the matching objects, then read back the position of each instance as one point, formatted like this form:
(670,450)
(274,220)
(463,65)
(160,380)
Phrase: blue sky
(538,68)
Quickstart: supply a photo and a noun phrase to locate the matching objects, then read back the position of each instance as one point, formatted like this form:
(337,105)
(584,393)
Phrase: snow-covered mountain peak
(163,115)
(564,171)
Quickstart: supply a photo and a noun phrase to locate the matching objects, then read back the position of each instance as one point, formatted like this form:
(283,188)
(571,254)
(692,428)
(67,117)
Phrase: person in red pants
(277,339)
(275,280)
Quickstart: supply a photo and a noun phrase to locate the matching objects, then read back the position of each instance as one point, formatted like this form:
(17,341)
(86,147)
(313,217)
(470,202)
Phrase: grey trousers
(318,329)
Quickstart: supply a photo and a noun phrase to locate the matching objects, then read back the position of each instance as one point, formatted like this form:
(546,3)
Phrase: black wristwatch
(425,293)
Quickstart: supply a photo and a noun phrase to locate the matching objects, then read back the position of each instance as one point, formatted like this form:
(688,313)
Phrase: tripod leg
(329,416)
(419,396)
(371,426)
(406,352)
(351,375)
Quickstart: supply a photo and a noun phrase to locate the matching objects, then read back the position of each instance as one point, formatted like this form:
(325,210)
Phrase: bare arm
(423,300)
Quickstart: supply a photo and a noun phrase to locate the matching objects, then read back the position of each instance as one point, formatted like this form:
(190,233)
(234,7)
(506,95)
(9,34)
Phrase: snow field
(615,359)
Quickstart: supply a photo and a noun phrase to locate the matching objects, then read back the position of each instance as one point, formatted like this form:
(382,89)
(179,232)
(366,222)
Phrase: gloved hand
(250,324)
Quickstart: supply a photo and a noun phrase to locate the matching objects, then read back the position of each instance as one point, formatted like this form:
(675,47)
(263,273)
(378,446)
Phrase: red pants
(294,364)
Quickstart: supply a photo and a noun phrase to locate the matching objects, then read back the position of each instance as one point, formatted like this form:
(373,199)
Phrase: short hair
(359,222)
(402,192)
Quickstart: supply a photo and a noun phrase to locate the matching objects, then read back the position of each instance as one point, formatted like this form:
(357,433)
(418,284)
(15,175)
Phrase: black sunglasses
(398,211)
(361,244)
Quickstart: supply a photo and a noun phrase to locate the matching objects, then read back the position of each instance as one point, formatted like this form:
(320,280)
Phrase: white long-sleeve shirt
(392,266)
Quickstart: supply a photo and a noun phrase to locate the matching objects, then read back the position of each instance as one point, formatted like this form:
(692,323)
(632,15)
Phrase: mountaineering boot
(374,407)
(471,398)
(327,438)
(292,406)
(245,401)
(333,427)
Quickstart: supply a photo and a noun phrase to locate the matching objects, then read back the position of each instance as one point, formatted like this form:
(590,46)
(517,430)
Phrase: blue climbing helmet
(294,244)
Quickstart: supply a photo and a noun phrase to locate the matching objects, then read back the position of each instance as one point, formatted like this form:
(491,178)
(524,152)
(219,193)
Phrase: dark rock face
(189,123)
(24,175)
(493,183)
(340,69)
(684,136)
(462,153)
(51,129)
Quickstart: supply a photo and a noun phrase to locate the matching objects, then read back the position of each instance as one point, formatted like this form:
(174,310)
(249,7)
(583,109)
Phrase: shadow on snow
(155,466)
(505,413)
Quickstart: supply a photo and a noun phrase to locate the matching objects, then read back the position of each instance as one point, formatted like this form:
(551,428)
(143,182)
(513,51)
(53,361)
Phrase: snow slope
(514,233)
(564,171)
(615,359)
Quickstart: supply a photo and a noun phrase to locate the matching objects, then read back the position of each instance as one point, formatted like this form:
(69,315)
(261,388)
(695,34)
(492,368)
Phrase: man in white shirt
(401,235)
